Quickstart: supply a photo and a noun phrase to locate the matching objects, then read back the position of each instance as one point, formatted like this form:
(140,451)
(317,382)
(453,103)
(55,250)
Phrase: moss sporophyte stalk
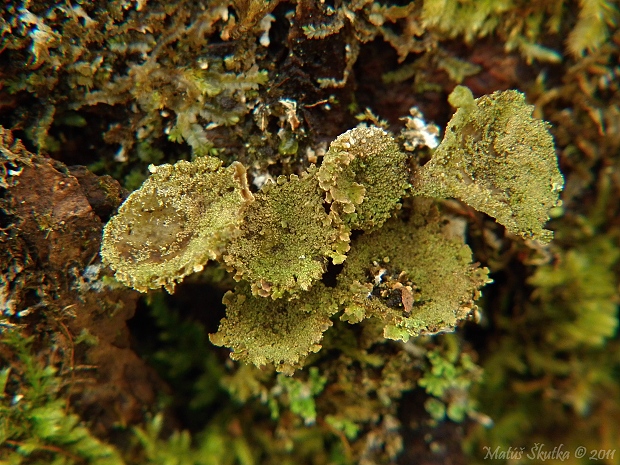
(403,268)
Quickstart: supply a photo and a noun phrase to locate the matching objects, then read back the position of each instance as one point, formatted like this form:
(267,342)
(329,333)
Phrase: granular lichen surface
(308,232)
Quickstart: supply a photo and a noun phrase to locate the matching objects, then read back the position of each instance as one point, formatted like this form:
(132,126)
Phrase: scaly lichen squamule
(286,238)
(495,157)
(181,217)
(364,176)
(498,159)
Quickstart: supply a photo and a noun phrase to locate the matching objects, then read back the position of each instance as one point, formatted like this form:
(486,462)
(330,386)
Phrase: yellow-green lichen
(181,217)
(411,276)
(364,175)
(281,332)
(286,238)
(499,160)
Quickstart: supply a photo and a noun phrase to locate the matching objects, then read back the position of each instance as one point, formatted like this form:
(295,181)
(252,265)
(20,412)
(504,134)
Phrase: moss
(299,395)
(499,160)
(558,360)
(219,99)
(36,425)
(215,445)
(448,380)
(180,218)
(365,380)
(597,18)
(581,286)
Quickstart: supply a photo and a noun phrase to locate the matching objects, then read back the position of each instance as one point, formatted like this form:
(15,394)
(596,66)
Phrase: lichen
(410,272)
(280,332)
(286,238)
(364,175)
(499,160)
(411,276)
(182,216)
(150,81)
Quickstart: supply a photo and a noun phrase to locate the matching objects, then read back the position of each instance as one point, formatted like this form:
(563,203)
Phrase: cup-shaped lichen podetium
(414,276)
(182,216)
(364,176)
(286,238)
(281,332)
(498,159)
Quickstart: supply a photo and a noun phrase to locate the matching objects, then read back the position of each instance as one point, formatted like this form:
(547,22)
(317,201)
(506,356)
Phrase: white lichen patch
(418,133)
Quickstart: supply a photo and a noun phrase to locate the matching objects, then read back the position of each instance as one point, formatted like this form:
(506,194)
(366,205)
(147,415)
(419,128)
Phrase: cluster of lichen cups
(411,274)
